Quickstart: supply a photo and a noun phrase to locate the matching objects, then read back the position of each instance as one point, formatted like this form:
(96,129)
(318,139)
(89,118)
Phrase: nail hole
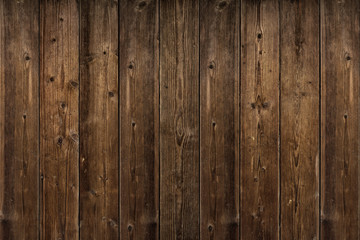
(111,94)
(131,66)
(214,124)
(53,40)
(211,66)
(222,4)
(133,124)
(142,4)
(27,58)
(60,140)
(348,58)
(61,19)
(345,116)
(52,79)
(104,52)
(24,116)
(259,36)
(63,105)
(74,84)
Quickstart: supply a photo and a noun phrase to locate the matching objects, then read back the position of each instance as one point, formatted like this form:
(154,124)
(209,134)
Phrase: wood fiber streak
(59,118)
(179,120)
(139,119)
(299,119)
(219,119)
(99,120)
(340,71)
(259,119)
(19,118)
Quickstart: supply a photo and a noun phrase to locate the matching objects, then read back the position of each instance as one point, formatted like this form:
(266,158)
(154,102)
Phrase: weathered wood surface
(99,139)
(259,120)
(299,110)
(19,119)
(340,72)
(179,119)
(59,119)
(139,119)
(219,119)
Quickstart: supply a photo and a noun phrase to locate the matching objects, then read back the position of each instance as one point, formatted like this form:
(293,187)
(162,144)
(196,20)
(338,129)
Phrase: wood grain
(179,120)
(219,119)
(19,119)
(139,119)
(99,140)
(340,71)
(299,21)
(59,119)
(259,119)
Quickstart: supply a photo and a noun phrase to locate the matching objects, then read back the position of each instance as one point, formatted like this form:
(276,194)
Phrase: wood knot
(60,141)
(63,105)
(259,36)
(222,5)
(61,19)
(24,116)
(52,79)
(130,228)
(348,58)
(210,228)
(74,84)
(111,94)
(345,116)
(27,58)
(53,40)
(141,5)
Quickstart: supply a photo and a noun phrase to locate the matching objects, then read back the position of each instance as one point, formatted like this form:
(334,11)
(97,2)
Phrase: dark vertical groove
(239,117)
(159,126)
(320,117)
(119,125)
(199,99)
(38,163)
(79,117)
(279,131)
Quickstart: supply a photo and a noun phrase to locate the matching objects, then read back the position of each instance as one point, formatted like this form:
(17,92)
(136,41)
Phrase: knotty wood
(179,119)
(219,119)
(139,119)
(340,72)
(19,119)
(299,21)
(259,119)
(99,141)
(59,142)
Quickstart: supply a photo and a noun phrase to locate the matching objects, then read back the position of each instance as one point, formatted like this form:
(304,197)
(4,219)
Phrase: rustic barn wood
(179,119)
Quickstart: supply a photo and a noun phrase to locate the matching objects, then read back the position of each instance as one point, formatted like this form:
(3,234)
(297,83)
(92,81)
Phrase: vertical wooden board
(259,119)
(139,119)
(179,119)
(340,70)
(99,140)
(219,119)
(19,119)
(59,111)
(299,106)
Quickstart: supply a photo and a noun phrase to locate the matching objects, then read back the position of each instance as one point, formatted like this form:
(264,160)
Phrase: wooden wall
(179,119)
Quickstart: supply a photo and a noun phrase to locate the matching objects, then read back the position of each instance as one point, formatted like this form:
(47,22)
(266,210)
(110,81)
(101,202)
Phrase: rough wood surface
(59,145)
(299,108)
(340,72)
(19,119)
(99,141)
(139,119)
(179,120)
(259,119)
(219,119)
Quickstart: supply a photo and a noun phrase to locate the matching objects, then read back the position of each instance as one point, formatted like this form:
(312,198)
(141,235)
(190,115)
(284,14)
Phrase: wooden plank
(59,111)
(340,71)
(259,119)
(219,123)
(19,119)
(99,140)
(179,119)
(139,120)
(299,21)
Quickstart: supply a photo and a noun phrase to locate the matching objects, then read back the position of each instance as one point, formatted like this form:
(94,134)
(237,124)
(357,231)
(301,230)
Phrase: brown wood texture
(99,140)
(19,119)
(139,119)
(340,72)
(259,119)
(219,119)
(59,119)
(179,119)
(299,110)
